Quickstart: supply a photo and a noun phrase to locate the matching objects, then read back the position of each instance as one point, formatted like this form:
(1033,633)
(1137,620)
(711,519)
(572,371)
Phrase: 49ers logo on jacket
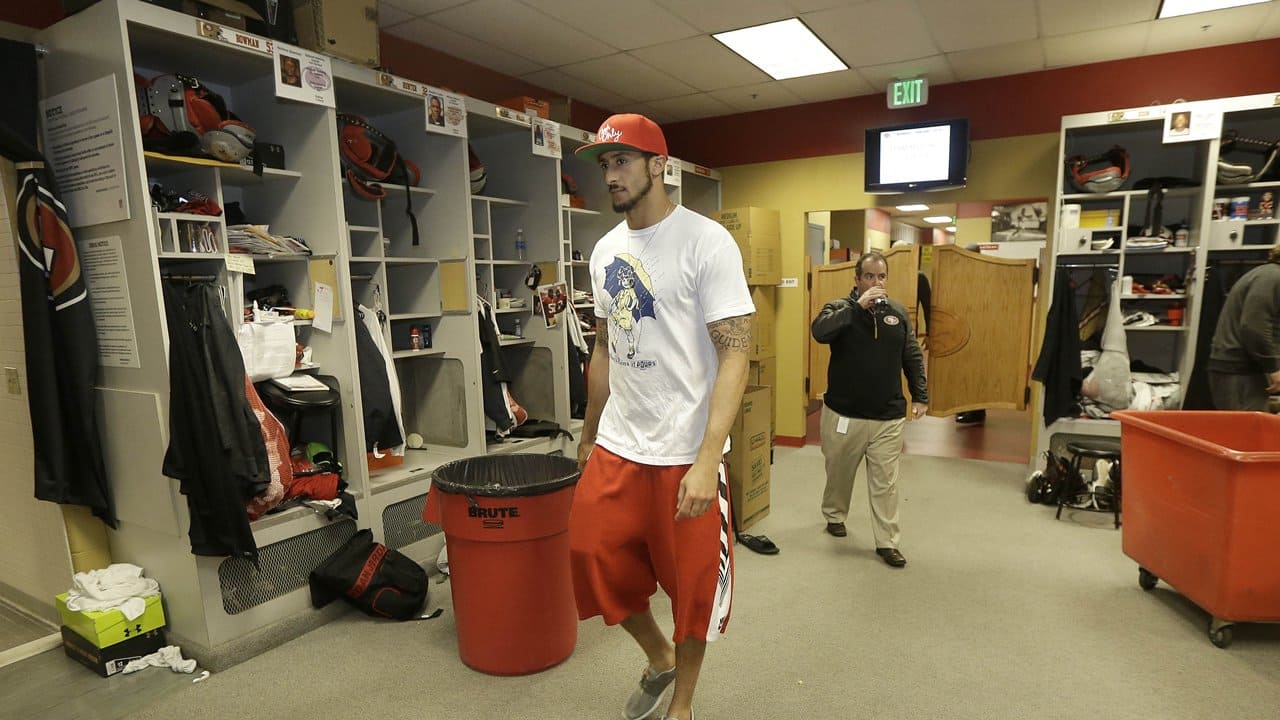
(891,320)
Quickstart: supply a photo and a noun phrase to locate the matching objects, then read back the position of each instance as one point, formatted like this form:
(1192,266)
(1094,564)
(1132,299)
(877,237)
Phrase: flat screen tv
(917,157)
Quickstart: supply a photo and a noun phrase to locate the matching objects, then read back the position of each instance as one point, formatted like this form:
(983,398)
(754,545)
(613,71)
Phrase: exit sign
(911,92)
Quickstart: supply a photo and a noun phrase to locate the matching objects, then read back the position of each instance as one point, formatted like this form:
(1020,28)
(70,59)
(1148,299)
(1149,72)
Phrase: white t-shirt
(659,287)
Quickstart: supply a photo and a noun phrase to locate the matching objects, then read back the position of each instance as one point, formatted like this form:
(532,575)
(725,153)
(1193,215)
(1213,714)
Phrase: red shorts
(624,540)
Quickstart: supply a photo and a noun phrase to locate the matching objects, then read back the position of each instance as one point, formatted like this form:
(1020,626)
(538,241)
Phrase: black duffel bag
(380,581)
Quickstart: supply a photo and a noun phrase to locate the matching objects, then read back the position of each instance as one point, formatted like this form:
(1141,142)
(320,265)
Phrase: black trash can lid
(515,475)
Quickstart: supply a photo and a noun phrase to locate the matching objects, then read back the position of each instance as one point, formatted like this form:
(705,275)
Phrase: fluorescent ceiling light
(950,228)
(1174,8)
(783,49)
(912,208)
(937,219)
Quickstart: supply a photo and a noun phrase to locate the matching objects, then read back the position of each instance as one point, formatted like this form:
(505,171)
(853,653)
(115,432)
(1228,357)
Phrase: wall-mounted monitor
(919,156)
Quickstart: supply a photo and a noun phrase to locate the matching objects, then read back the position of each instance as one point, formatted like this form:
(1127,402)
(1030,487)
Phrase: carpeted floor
(1003,612)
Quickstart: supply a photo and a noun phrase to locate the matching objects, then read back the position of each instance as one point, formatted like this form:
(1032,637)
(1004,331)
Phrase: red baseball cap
(626,132)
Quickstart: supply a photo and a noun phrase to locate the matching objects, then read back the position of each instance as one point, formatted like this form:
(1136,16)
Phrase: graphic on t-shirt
(631,299)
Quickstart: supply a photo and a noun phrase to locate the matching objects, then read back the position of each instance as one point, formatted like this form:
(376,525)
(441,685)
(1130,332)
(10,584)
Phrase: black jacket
(1058,367)
(869,354)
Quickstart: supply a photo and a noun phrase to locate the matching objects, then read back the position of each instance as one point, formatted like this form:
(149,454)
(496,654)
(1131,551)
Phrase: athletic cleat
(645,699)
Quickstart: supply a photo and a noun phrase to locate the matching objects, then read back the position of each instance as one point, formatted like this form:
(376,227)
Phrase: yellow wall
(1007,168)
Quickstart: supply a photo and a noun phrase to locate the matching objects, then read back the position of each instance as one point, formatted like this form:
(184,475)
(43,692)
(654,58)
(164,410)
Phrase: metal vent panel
(402,523)
(285,566)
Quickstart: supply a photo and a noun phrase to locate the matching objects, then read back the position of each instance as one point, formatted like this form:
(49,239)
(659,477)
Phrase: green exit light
(911,92)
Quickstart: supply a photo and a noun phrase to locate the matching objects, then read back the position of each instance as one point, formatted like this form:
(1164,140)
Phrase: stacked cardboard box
(106,641)
(347,29)
(758,234)
(749,458)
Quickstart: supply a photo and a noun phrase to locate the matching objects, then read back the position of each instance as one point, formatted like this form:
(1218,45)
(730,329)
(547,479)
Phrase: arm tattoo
(731,334)
(602,331)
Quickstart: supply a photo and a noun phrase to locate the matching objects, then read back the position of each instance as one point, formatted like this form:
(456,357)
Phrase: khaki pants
(880,441)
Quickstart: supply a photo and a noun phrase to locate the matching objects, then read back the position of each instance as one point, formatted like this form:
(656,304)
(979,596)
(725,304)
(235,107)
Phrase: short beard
(627,205)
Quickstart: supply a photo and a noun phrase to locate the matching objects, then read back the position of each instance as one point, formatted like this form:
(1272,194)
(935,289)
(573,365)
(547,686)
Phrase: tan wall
(849,227)
(1016,167)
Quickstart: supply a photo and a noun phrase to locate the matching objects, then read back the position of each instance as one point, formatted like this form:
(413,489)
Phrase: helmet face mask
(1238,173)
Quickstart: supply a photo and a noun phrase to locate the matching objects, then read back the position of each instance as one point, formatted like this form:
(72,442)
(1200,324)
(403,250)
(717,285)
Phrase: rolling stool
(1092,450)
(290,406)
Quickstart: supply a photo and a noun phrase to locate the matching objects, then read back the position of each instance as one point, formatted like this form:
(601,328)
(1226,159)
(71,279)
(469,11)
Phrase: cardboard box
(764,330)
(228,13)
(529,106)
(1100,218)
(107,628)
(110,660)
(343,28)
(765,372)
(758,234)
(749,458)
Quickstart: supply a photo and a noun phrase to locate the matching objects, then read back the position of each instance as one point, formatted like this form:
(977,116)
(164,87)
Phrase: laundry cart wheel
(1146,579)
(1220,636)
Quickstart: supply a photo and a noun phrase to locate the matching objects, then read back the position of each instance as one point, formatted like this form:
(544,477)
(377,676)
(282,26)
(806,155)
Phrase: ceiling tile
(702,62)
(650,111)
(577,89)
(428,34)
(1093,46)
(626,25)
(829,86)
(720,15)
(1064,18)
(760,96)
(1270,28)
(968,25)
(1011,59)
(1220,27)
(505,24)
(934,67)
(807,6)
(691,107)
(882,31)
(391,15)
(629,76)
(421,7)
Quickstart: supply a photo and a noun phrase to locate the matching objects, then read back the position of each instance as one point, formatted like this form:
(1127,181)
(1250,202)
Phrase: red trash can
(506,526)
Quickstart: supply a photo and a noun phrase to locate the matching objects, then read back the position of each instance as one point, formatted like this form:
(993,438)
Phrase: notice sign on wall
(102,262)
(82,141)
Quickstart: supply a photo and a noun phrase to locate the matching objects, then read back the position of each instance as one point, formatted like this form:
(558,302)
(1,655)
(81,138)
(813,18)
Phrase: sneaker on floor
(891,557)
(644,701)
(837,529)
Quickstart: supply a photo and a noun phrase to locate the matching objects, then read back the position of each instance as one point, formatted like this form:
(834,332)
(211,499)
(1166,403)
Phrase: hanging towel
(374,326)
(1058,367)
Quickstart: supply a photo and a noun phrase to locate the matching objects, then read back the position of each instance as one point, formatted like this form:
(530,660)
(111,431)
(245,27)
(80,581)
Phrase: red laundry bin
(506,526)
(1201,494)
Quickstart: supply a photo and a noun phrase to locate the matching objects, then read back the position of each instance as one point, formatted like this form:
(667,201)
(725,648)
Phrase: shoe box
(110,660)
(110,627)
(758,234)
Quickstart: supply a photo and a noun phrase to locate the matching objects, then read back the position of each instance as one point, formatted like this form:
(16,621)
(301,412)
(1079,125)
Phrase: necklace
(657,227)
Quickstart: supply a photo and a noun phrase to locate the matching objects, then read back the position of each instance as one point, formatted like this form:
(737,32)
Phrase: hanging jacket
(1058,367)
(381,427)
(209,461)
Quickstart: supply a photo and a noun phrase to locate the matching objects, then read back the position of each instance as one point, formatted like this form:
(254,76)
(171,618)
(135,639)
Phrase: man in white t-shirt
(666,379)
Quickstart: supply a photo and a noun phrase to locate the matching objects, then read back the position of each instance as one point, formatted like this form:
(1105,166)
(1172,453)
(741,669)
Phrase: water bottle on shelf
(518,333)
(520,246)
(426,335)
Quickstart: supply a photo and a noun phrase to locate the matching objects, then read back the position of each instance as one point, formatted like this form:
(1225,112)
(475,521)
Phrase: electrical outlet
(11,379)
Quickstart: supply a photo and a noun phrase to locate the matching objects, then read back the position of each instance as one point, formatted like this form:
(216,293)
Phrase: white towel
(169,656)
(120,586)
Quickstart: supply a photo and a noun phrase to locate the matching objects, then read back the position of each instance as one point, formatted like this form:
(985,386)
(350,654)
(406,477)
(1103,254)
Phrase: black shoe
(891,557)
(837,529)
(973,417)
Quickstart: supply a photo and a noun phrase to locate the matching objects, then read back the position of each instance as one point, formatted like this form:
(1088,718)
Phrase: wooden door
(836,281)
(979,341)
(829,282)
